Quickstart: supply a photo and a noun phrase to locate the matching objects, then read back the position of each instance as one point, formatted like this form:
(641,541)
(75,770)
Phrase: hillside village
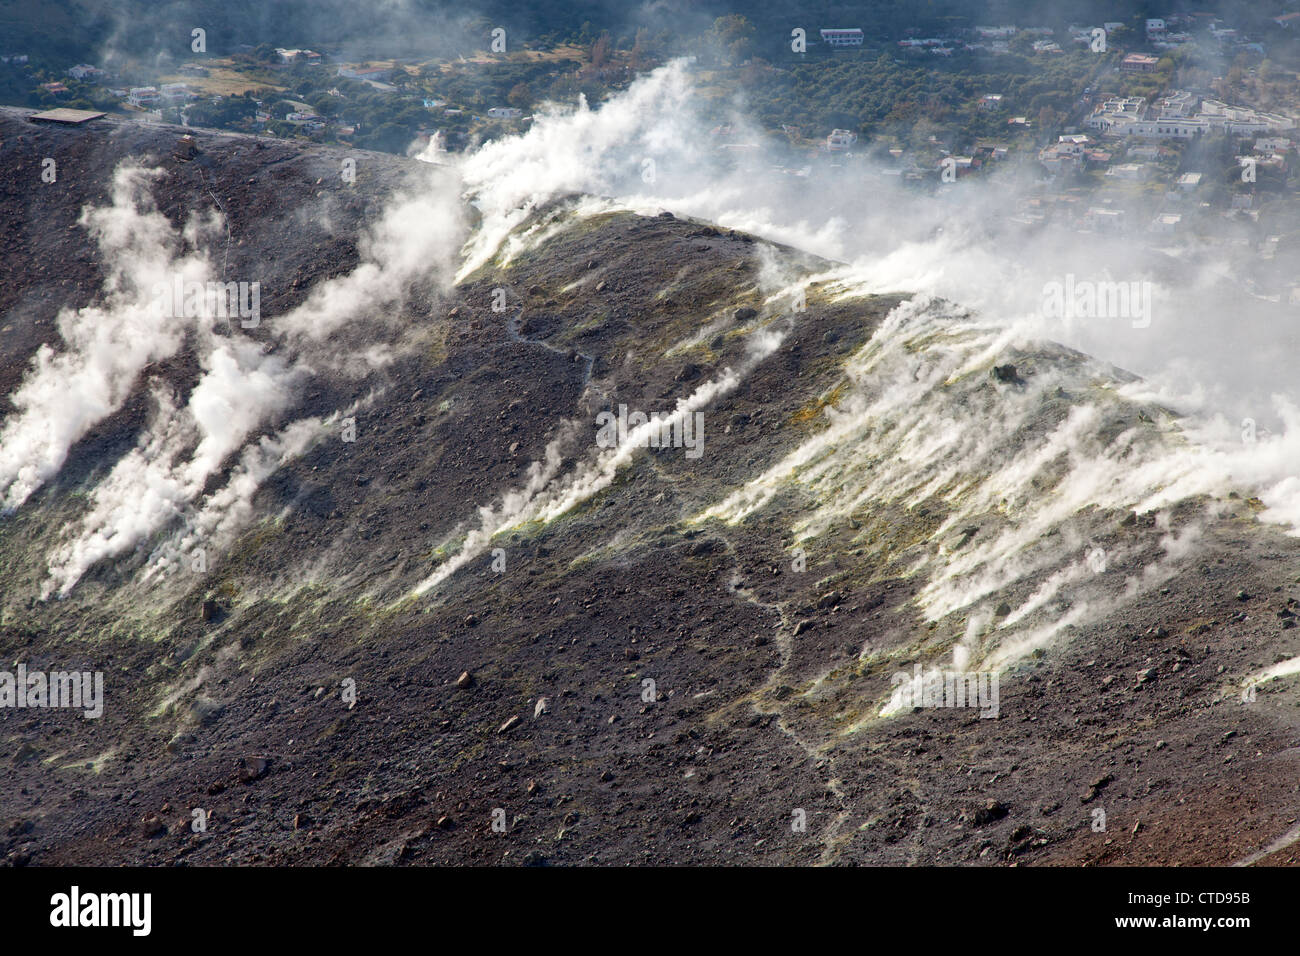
(1137,148)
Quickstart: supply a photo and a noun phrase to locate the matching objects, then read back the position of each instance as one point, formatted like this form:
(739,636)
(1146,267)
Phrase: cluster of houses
(1180,115)
(1160,33)
(1079,151)
(988,39)
(152,99)
(1146,133)
(993,39)
(139,97)
(1170,32)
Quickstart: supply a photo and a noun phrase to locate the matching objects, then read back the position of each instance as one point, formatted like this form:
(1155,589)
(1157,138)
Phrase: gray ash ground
(240,713)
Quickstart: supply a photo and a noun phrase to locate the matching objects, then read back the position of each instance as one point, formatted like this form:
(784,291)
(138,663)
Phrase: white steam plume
(106,345)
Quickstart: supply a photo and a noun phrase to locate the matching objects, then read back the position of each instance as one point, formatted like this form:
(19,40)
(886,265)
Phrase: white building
(143,96)
(1132,172)
(1115,113)
(505,112)
(1178,104)
(1187,128)
(1272,144)
(311,57)
(1105,219)
(1241,120)
(842,37)
(1066,153)
(840,139)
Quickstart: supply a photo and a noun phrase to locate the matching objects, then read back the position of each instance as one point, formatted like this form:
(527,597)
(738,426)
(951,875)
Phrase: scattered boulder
(964,537)
(991,812)
(687,373)
(206,711)
(181,741)
(508,725)
(253,768)
(1097,787)
(24,752)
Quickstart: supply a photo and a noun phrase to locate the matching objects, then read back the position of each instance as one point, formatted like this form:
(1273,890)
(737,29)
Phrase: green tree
(520,96)
(732,38)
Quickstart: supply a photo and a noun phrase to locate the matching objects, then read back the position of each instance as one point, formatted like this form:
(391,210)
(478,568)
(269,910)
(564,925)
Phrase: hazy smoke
(105,345)
(416,238)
